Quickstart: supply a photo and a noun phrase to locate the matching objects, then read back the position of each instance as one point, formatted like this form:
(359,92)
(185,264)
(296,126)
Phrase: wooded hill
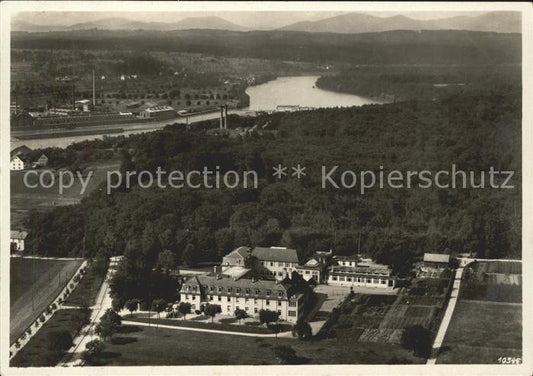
(395,225)
(391,47)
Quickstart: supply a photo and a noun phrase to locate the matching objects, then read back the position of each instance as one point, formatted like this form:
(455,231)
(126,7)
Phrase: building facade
(278,262)
(159,113)
(363,273)
(18,163)
(250,295)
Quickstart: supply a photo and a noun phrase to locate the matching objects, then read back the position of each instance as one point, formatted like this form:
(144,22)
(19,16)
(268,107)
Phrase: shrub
(42,318)
(418,339)
(17,344)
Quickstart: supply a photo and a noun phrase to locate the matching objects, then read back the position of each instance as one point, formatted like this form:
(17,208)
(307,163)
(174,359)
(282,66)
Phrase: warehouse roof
(436,257)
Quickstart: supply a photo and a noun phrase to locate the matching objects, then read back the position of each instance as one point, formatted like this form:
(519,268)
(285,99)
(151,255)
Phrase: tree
(240,314)
(105,329)
(92,349)
(184,308)
(190,256)
(132,305)
(166,260)
(212,310)
(302,329)
(284,353)
(108,325)
(418,339)
(267,316)
(159,306)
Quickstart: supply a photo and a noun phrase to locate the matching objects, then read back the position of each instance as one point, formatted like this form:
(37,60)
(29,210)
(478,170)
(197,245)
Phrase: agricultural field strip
(13,349)
(32,292)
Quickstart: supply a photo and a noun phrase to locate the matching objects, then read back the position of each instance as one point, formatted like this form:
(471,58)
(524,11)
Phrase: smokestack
(221,117)
(94,91)
(226,116)
(73,99)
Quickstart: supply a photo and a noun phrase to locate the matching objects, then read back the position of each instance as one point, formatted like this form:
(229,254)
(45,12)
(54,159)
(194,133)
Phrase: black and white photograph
(329,188)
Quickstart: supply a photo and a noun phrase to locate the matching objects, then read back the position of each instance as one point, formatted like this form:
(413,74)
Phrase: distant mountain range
(354,23)
(351,23)
(216,23)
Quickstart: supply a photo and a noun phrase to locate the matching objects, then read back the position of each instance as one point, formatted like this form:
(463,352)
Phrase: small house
(18,238)
(436,261)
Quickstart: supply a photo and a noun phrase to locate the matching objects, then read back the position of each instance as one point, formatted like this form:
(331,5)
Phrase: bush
(418,339)
(17,344)
(93,348)
(42,318)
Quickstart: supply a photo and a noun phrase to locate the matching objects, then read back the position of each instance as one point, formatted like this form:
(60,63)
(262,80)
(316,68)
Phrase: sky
(252,20)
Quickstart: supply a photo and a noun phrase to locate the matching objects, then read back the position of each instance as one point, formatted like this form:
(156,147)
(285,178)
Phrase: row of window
(359,279)
(279,264)
(238,290)
(219,299)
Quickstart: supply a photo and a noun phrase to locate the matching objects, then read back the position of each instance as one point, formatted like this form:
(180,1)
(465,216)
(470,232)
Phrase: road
(87,334)
(447,316)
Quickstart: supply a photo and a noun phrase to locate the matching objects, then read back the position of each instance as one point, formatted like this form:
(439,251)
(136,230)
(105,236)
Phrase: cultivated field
(493,281)
(34,283)
(382,319)
(481,332)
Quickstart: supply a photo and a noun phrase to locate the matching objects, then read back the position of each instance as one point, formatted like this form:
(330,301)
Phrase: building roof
(235,271)
(23,149)
(347,258)
(43,156)
(239,252)
(159,109)
(280,254)
(21,235)
(436,257)
(258,288)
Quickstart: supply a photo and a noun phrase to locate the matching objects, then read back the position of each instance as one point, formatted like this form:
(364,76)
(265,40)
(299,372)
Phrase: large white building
(357,272)
(251,295)
(278,262)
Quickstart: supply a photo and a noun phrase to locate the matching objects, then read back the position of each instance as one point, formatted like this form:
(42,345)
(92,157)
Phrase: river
(298,90)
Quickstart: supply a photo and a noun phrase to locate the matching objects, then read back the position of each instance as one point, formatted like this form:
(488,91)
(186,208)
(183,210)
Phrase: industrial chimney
(94,92)
(226,116)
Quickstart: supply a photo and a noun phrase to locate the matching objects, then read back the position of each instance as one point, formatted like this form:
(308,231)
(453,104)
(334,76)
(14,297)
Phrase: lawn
(149,346)
(38,352)
(87,290)
(480,332)
(35,280)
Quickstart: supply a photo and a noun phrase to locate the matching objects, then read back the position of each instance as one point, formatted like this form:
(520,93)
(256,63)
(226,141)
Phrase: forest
(394,226)
(398,82)
(394,47)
